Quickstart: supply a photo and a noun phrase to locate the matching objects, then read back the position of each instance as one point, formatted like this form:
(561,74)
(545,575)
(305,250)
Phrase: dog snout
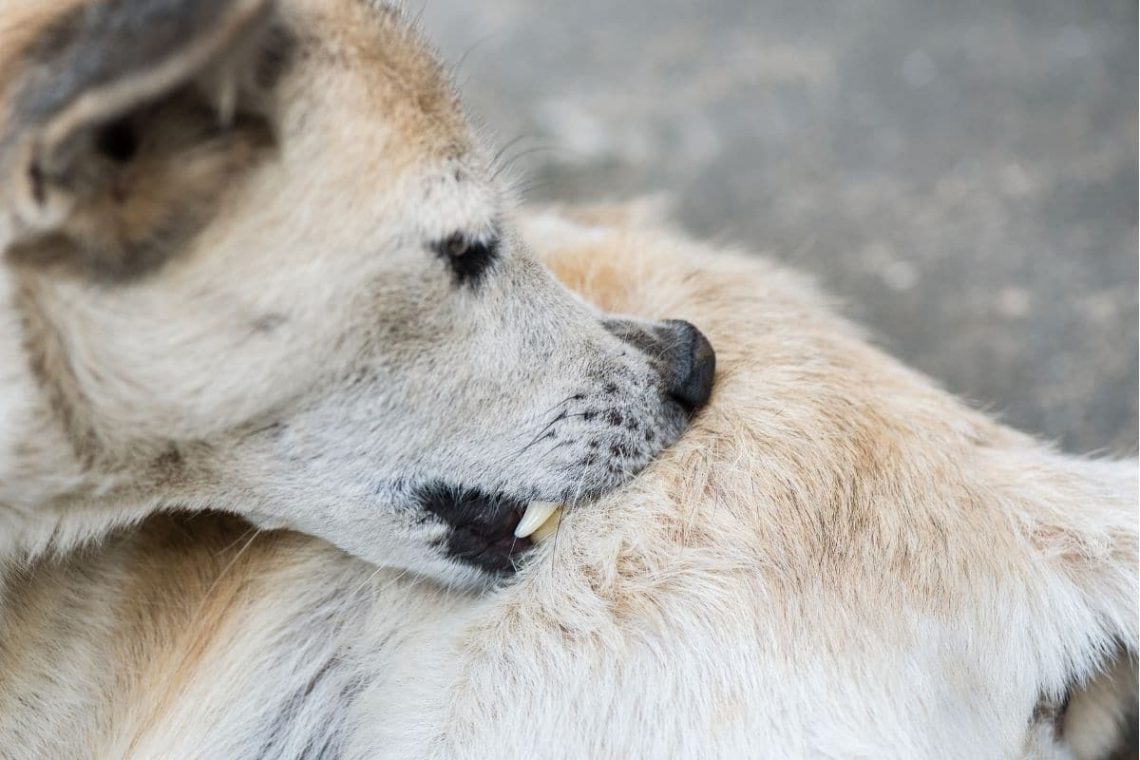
(690,363)
(680,354)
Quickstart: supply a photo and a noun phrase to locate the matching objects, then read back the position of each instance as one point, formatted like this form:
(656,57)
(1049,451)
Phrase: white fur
(837,560)
(760,591)
(260,311)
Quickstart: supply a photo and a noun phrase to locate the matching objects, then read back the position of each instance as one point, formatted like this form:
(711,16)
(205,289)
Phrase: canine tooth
(546,530)
(537,512)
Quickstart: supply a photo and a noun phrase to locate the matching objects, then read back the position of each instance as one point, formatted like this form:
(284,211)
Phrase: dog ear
(116,114)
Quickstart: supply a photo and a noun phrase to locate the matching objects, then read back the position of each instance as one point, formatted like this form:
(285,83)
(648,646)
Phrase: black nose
(692,362)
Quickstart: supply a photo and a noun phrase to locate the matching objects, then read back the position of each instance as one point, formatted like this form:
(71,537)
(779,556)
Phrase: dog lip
(481,525)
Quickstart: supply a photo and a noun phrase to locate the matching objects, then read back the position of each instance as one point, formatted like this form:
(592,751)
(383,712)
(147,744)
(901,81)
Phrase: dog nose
(691,364)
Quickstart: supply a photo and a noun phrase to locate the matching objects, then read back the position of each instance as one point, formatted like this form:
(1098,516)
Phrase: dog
(837,559)
(256,260)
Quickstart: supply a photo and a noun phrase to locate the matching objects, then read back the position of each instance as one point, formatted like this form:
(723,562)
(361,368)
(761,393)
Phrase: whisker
(510,162)
(552,423)
(229,565)
(510,144)
(458,65)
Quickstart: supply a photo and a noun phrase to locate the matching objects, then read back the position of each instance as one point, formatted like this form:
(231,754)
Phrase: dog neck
(43,484)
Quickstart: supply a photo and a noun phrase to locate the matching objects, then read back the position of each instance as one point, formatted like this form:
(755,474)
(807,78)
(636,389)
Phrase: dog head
(259,262)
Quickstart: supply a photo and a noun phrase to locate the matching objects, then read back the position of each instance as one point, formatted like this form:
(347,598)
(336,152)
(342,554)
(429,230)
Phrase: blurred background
(961,173)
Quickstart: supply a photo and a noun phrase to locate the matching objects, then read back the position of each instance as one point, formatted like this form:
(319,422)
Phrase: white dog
(255,261)
(837,560)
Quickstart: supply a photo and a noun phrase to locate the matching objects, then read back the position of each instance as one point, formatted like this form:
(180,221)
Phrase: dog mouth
(492,532)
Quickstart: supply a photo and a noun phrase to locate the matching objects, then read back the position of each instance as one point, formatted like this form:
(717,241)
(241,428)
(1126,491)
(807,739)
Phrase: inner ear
(118,141)
(113,94)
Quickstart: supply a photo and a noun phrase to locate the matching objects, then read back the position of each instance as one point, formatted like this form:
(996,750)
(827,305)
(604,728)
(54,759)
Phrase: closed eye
(469,257)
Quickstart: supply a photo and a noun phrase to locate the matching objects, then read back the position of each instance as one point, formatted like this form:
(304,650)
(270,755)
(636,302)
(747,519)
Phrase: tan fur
(830,506)
(224,264)
(838,559)
(22,22)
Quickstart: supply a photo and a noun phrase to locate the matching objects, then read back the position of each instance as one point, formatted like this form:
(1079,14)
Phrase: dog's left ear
(103,109)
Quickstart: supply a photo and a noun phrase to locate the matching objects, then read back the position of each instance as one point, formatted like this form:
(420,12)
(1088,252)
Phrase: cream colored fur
(232,276)
(837,560)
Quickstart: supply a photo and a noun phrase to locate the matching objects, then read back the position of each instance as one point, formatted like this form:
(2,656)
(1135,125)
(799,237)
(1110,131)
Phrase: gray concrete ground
(962,173)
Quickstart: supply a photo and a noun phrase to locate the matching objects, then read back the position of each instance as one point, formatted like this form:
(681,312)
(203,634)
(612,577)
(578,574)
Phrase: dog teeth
(546,530)
(537,514)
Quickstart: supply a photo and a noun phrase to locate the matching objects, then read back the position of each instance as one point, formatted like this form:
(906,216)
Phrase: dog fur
(255,260)
(837,560)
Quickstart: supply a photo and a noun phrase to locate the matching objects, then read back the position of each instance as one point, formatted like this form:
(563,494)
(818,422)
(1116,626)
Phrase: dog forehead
(392,118)
(396,81)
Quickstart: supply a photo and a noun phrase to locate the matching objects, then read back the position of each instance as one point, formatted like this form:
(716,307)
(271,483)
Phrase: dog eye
(468,257)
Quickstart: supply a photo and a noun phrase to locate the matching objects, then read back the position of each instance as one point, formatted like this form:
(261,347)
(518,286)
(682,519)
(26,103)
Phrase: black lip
(482,525)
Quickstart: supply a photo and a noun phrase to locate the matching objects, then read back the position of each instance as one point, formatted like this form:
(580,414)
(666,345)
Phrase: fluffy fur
(837,560)
(226,229)
(254,259)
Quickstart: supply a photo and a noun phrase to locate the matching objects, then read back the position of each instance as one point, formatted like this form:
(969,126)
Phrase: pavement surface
(962,174)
